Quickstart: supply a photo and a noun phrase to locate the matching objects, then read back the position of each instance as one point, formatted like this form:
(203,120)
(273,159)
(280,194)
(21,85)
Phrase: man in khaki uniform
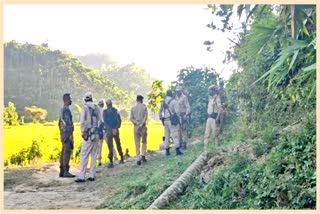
(168,108)
(90,119)
(183,113)
(214,111)
(139,116)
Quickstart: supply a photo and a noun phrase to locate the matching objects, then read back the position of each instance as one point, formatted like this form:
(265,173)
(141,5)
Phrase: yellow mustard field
(17,138)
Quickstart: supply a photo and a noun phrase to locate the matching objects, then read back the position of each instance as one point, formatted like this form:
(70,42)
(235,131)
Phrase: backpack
(93,130)
(174,119)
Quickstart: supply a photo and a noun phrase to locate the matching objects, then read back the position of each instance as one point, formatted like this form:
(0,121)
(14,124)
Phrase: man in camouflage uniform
(167,109)
(139,116)
(183,113)
(112,123)
(214,112)
(66,136)
(90,119)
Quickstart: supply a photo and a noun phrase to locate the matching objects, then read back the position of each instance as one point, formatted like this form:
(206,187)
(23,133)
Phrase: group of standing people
(98,124)
(173,113)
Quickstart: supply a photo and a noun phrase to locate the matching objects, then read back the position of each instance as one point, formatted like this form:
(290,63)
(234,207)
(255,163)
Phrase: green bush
(10,115)
(260,148)
(26,155)
(35,113)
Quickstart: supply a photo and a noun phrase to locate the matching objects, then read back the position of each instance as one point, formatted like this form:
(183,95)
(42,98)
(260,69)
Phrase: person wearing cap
(214,111)
(183,113)
(66,135)
(112,123)
(90,120)
(139,116)
(168,109)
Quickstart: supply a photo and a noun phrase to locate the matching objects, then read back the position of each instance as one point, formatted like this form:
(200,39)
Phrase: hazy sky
(159,38)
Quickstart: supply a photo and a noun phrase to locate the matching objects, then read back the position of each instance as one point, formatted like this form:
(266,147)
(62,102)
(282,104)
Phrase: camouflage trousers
(65,155)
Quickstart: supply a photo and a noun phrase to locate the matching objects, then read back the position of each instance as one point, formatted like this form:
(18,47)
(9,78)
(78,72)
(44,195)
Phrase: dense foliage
(271,100)
(195,82)
(284,179)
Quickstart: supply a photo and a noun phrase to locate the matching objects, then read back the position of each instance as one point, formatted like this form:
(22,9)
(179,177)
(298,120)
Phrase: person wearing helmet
(214,111)
(90,120)
(183,113)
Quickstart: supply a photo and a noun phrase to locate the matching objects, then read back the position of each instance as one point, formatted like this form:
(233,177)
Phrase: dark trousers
(109,140)
(65,155)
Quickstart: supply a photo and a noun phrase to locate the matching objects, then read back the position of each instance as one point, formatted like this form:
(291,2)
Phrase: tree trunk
(180,184)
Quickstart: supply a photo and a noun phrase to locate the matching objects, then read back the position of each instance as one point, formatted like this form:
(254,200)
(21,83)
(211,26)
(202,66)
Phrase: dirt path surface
(44,189)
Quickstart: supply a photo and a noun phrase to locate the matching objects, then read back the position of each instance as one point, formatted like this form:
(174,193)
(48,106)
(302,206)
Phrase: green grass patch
(137,187)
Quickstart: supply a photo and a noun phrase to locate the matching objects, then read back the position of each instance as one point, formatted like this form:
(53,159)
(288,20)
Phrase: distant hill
(130,78)
(95,60)
(36,75)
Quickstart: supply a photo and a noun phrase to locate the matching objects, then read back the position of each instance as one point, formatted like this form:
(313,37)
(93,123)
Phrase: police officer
(139,116)
(183,113)
(169,107)
(112,123)
(90,119)
(214,111)
(66,135)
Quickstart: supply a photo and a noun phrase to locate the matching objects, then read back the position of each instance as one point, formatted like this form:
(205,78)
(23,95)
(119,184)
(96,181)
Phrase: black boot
(61,172)
(168,151)
(121,160)
(143,158)
(178,152)
(110,165)
(67,174)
